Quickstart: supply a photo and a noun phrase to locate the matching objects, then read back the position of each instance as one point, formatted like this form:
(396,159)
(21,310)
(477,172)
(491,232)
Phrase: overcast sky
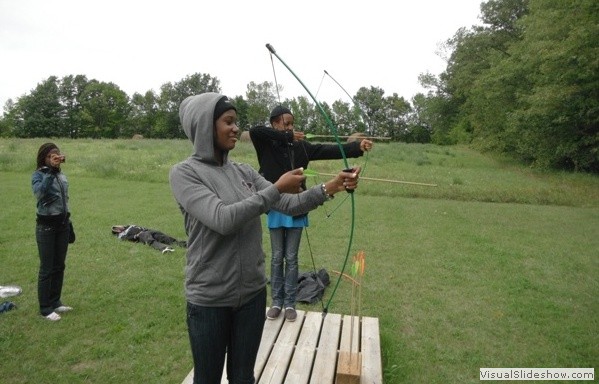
(140,45)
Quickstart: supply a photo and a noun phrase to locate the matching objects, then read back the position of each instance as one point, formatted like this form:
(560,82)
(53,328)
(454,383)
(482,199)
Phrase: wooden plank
(350,334)
(372,369)
(305,350)
(310,349)
(271,331)
(276,367)
(189,378)
(326,356)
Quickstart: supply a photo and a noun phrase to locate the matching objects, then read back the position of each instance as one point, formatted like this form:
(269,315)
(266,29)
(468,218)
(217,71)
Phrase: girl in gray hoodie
(221,202)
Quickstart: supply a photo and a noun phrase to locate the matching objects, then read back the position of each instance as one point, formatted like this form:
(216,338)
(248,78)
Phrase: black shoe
(273,313)
(290,314)
(7,306)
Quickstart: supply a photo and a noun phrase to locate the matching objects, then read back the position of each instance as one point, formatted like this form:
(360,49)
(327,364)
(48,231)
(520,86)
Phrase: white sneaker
(63,309)
(10,290)
(53,316)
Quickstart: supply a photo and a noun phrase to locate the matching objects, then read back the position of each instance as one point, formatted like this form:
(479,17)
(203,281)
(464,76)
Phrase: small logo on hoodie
(249,186)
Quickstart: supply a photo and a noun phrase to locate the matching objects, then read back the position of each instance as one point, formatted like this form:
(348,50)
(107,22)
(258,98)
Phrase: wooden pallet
(306,351)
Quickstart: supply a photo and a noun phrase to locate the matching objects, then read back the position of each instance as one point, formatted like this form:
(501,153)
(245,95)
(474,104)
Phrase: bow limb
(365,120)
(333,129)
(328,120)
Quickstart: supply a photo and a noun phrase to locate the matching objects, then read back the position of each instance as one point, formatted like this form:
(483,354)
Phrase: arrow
(383,180)
(312,136)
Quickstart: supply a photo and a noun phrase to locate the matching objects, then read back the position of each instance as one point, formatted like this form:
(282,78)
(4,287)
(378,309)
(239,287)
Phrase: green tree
(242,107)
(144,114)
(438,110)
(70,91)
(491,93)
(347,118)
(375,107)
(105,109)
(459,107)
(419,121)
(261,99)
(556,122)
(305,116)
(8,122)
(171,96)
(397,111)
(39,114)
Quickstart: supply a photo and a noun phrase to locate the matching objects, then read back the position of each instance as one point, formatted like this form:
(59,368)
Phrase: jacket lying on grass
(156,239)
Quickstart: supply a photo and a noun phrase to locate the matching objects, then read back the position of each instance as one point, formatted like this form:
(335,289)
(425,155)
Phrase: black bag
(310,287)
(71,233)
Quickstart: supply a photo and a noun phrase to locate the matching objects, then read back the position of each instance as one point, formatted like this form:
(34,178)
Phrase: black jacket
(278,153)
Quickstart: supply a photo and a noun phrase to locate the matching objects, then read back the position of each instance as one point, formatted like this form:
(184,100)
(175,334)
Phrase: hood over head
(197,115)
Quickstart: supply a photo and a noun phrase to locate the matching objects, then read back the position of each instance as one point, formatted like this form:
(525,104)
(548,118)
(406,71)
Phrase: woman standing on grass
(52,233)
(221,202)
(280,148)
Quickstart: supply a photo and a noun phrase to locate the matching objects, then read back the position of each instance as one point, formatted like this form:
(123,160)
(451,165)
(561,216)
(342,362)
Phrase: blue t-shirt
(277,219)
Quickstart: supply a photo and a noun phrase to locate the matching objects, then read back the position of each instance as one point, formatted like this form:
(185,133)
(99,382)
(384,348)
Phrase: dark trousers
(52,244)
(214,331)
(158,240)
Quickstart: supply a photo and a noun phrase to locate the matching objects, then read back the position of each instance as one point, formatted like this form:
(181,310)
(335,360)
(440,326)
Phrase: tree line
(524,83)
(76,107)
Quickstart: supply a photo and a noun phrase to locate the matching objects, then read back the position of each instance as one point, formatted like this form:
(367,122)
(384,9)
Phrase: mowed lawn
(496,266)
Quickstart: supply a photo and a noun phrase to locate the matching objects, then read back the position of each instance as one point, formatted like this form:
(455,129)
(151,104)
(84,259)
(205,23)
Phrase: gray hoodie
(221,207)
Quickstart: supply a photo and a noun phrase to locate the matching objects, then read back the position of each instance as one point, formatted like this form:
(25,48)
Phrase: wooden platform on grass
(306,350)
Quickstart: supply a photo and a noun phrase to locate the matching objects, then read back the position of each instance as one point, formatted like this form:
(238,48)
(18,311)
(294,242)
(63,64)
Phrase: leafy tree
(39,114)
(438,110)
(70,91)
(397,110)
(458,105)
(347,118)
(242,107)
(305,116)
(374,106)
(489,94)
(144,114)
(261,99)
(502,16)
(9,122)
(105,109)
(171,96)
(419,121)
(556,122)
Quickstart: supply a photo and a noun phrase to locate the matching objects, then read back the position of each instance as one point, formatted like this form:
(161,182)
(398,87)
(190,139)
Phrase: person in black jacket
(279,149)
(52,233)
(152,237)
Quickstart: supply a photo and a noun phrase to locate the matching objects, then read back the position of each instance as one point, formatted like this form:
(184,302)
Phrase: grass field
(496,266)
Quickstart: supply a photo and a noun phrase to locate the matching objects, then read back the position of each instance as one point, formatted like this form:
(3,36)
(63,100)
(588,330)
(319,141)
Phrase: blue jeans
(52,244)
(284,243)
(214,331)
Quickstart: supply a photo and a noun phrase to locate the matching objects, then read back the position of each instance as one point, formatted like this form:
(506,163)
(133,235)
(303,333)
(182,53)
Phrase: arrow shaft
(385,180)
(357,137)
